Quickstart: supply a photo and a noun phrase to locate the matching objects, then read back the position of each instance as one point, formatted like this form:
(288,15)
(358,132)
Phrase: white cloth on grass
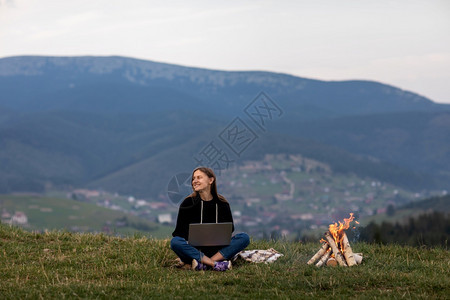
(259,256)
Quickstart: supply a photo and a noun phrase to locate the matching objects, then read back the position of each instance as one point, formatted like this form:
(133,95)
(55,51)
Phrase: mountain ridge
(90,120)
(203,87)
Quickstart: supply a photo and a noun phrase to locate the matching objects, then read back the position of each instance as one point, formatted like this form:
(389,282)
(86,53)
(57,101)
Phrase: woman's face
(201,182)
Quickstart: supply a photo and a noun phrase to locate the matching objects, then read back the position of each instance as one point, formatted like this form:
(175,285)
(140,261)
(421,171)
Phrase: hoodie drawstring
(217,214)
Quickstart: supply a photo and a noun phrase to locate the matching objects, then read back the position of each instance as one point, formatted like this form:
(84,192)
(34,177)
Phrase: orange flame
(337,230)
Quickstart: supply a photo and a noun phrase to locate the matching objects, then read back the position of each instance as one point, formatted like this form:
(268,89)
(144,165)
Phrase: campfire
(336,249)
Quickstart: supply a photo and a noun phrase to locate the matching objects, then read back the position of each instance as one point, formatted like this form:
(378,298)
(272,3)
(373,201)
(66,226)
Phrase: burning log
(348,252)
(319,254)
(332,262)
(336,249)
(324,258)
(337,254)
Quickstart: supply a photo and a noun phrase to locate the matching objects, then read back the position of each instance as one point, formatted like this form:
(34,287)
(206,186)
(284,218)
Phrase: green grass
(72,265)
(59,213)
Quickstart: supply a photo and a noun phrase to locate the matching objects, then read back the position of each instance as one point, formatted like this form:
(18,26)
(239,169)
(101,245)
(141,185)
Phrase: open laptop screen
(210,234)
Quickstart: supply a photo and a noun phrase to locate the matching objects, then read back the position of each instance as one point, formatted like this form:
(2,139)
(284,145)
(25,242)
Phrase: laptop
(210,234)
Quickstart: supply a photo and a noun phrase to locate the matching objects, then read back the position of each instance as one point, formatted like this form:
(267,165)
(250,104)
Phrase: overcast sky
(405,43)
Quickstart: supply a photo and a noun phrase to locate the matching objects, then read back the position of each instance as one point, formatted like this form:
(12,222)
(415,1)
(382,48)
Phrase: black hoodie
(190,212)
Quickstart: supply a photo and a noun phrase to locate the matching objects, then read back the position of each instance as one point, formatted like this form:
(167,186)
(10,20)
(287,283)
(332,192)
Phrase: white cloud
(7,3)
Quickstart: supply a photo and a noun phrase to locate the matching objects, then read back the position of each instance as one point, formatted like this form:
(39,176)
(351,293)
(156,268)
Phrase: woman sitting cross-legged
(205,205)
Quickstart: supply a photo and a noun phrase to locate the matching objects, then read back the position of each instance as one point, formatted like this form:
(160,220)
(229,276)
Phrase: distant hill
(120,84)
(128,125)
(73,149)
(138,154)
(153,174)
(414,140)
(422,223)
(403,213)
(439,204)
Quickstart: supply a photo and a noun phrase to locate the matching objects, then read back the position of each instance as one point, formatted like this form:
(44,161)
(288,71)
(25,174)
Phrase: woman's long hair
(210,173)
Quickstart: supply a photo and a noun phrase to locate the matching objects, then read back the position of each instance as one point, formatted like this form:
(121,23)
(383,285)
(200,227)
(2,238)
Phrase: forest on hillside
(429,229)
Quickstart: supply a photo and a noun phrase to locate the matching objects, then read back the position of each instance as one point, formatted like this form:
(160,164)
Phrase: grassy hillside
(44,213)
(403,213)
(414,140)
(425,222)
(138,154)
(66,265)
(76,149)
